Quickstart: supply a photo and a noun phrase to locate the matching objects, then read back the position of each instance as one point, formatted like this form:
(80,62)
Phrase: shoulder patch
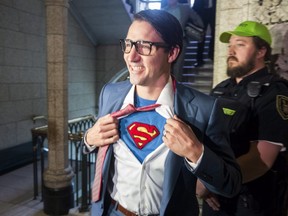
(229,112)
(282,106)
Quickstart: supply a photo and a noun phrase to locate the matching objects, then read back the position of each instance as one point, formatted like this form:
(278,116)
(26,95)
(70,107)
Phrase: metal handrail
(76,129)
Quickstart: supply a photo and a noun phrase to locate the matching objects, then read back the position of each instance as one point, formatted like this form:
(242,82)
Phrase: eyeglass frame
(135,43)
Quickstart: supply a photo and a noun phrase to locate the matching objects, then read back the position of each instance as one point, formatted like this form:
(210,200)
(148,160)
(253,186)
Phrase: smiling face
(151,71)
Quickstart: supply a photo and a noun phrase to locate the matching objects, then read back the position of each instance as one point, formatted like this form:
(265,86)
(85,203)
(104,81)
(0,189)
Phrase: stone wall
(109,61)
(22,69)
(230,13)
(23,92)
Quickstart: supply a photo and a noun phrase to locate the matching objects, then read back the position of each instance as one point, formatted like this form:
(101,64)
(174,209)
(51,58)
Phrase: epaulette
(220,88)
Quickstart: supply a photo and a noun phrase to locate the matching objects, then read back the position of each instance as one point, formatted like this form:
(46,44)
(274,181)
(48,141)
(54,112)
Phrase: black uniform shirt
(268,119)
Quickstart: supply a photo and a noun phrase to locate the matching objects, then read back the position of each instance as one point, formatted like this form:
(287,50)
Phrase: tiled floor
(16,195)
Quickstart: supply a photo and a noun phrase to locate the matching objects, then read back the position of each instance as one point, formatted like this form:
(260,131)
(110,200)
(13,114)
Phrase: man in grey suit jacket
(155,157)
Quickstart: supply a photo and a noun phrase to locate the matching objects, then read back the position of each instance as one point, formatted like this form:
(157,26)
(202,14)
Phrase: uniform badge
(282,106)
(142,133)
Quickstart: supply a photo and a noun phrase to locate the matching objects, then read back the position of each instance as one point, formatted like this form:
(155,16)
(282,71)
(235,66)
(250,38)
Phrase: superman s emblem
(142,133)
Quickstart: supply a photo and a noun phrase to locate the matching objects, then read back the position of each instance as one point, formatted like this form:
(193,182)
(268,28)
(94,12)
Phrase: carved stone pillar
(57,188)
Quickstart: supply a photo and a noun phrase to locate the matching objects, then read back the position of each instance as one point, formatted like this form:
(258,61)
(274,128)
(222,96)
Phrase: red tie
(96,189)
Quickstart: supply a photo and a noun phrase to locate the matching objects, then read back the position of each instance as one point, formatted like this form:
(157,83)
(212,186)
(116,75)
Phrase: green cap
(248,29)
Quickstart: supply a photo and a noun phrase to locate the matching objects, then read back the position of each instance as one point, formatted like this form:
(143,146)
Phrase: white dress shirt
(138,186)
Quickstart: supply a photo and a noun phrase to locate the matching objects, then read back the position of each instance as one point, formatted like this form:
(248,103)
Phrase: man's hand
(103,132)
(212,201)
(180,138)
(207,196)
(201,191)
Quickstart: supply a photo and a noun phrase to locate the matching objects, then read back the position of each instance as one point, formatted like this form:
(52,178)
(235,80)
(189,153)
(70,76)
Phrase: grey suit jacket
(218,169)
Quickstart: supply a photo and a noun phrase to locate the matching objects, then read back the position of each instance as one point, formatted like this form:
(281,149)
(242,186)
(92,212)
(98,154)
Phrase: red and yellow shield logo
(142,133)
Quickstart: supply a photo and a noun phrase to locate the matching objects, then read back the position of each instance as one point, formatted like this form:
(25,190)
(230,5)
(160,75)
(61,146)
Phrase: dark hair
(260,43)
(165,24)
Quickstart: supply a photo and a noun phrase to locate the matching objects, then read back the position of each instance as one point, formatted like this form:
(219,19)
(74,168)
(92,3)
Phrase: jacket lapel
(114,103)
(114,97)
(183,104)
(174,163)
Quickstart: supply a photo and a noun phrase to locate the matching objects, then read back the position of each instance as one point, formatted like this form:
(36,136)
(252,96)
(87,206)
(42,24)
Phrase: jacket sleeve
(218,169)
(86,148)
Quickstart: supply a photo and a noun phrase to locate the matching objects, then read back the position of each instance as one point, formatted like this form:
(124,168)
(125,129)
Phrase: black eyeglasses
(142,47)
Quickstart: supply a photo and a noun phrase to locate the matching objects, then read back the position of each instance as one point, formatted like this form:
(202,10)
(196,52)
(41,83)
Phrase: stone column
(57,188)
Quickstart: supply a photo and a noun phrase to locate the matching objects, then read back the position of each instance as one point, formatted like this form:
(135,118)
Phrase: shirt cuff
(88,147)
(192,165)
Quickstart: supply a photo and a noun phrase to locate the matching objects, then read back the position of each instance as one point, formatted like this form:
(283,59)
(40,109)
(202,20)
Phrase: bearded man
(260,143)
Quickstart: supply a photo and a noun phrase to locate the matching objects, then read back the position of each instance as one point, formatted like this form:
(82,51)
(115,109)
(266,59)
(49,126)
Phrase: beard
(242,69)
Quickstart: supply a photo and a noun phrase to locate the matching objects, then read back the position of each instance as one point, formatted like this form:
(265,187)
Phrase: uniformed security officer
(261,139)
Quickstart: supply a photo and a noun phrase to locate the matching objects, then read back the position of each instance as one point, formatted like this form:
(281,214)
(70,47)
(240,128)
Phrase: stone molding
(270,12)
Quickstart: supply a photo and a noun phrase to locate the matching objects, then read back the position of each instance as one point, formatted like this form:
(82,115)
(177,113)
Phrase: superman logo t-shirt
(142,131)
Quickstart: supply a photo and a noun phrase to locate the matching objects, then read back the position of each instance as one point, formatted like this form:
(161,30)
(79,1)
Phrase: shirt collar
(166,99)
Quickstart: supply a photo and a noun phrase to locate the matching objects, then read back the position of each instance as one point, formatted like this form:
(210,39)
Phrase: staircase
(199,78)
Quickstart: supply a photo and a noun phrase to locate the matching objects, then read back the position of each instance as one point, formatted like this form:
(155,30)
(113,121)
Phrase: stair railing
(82,164)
